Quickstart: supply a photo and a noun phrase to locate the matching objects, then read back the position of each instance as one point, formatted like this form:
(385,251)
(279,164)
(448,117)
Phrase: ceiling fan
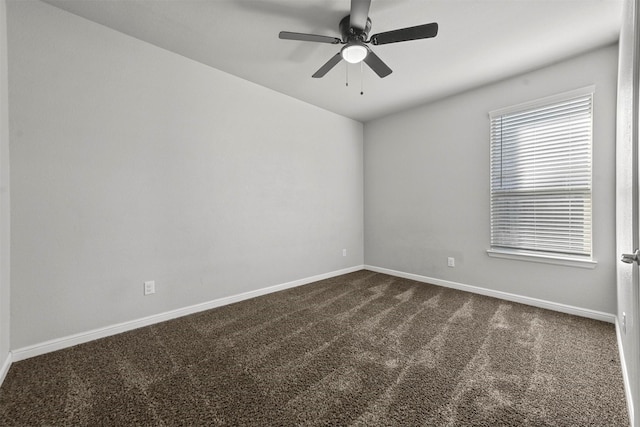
(355,29)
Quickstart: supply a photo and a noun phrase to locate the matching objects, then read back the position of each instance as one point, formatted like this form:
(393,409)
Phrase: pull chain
(361,78)
(346,67)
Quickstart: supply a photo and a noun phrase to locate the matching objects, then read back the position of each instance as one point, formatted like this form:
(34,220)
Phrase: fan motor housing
(350,34)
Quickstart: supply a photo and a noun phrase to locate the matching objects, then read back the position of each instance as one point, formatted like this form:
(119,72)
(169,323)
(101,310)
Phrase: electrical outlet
(344,252)
(624,322)
(150,287)
(451,262)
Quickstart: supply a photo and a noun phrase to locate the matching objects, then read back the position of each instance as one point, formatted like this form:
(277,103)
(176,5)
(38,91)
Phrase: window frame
(535,256)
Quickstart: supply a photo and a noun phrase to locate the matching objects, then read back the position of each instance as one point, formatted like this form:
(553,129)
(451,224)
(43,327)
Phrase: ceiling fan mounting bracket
(350,34)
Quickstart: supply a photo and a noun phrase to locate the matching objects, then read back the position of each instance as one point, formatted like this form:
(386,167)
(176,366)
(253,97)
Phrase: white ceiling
(479,41)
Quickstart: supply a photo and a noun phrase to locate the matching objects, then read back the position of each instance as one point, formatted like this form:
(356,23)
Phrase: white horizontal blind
(541,177)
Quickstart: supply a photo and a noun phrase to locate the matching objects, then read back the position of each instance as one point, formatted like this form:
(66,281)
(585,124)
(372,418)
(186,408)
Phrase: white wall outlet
(451,262)
(150,287)
(624,323)
(344,252)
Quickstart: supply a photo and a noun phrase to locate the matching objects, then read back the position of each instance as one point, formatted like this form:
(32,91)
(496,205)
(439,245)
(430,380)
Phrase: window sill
(546,259)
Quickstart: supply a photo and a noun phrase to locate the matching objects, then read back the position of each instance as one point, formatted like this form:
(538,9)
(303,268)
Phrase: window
(541,180)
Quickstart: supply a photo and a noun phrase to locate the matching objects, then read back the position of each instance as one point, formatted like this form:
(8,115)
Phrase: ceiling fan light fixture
(354,29)
(354,52)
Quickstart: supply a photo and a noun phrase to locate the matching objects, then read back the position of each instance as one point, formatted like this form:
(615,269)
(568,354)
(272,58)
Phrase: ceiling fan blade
(377,65)
(328,66)
(287,35)
(405,34)
(359,13)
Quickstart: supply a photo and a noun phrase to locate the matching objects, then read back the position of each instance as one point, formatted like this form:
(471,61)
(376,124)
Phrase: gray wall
(4,191)
(130,163)
(427,188)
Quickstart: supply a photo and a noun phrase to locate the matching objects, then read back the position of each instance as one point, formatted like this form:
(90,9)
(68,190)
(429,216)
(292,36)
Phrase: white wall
(130,163)
(4,194)
(427,188)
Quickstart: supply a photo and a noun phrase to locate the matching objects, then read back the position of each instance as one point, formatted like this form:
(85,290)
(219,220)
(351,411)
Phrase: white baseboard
(4,369)
(625,376)
(83,337)
(550,305)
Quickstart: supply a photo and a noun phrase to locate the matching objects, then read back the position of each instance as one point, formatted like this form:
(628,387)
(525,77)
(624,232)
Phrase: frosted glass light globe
(354,53)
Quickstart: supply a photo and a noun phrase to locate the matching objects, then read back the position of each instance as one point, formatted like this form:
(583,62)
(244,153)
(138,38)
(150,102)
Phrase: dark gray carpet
(364,349)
